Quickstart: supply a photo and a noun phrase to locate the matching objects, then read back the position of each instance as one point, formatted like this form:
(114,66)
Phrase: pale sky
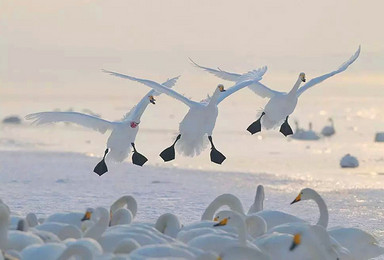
(67,42)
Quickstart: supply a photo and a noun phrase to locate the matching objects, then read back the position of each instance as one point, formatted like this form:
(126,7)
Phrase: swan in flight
(281,104)
(201,117)
(123,132)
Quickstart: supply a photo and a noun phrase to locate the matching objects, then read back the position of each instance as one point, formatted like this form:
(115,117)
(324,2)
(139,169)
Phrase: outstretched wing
(139,109)
(219,73)
(88,121)
(263,91)
(257,87)
(317,80)
(156,86)
(247,79)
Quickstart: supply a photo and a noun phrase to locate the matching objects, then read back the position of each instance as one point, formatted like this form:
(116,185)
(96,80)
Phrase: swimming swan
(281,104)
(201,117)
(123,132)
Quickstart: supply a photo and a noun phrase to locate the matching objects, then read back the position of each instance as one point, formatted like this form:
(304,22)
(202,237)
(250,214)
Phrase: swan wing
(88,121)
(264,91)
(219,73)
(139,109)
(157,87)
(247,79)
(317,80)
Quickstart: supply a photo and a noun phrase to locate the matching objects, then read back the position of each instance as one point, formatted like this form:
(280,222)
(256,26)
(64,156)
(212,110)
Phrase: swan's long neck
(139,109)
(76,250)
(128,201)
(98,228)
(223,200)
(259,199)
(214,98)
(323,219)
(295,88)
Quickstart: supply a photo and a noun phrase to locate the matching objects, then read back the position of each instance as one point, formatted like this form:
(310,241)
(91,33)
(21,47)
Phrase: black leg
(101,167)
(255,127)
(216,156)
(285,128)
(169,153)
(138,158)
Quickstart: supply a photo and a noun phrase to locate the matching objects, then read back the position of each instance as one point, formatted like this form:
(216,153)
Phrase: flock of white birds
(226,232)
(198,124)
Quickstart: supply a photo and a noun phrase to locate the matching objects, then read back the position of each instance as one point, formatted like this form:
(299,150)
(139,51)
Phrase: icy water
(49,169)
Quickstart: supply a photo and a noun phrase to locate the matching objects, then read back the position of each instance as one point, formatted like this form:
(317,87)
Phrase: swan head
(152,99)
(221,87)
(305,194)
(302,76)
(87,215)
(228,217)
(296,241)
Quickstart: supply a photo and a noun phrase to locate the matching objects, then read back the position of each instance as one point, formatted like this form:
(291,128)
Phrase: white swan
(329,130)
(309,134)
(272,217)
(46,236)
(281,104)
(306,245)
(201,117)
(14,239)
(97,229)
(72,218)
(361,244)
(123,132)
(168,224)
(123,210)
(226,199)
(219,243)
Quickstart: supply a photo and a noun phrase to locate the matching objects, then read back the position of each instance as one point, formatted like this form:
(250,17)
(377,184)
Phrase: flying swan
(201,117)
(123,132)
(281,104)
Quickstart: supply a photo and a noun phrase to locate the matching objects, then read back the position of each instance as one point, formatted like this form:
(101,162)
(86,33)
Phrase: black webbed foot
(285,128)
(169,153)
(101,167)
(216,156)
(255,127)
(138,158)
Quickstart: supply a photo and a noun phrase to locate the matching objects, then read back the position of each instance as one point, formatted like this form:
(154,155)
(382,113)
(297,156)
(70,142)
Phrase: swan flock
(232,233)
(198,124)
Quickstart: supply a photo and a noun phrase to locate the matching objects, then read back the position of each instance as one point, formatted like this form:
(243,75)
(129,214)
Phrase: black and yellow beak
(298,198)
(87,216)
(303,79)
(296,241)
(216,219)
(221,223)
(152,99)
(221,88)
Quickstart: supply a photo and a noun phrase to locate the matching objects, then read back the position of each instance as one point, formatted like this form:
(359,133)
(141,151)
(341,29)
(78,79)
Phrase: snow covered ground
(49,169)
